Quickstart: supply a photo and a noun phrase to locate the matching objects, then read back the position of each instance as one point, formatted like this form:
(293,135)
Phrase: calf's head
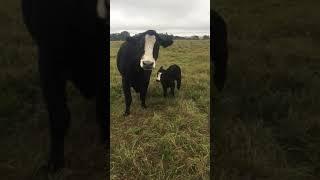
(147,46)
(159,73)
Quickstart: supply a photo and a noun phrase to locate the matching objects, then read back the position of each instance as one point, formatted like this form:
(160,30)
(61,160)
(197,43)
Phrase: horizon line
(184,34)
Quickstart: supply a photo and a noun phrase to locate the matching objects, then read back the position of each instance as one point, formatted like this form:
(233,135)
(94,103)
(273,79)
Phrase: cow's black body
(220,50)
(128,59)
(168,78)
(71,41)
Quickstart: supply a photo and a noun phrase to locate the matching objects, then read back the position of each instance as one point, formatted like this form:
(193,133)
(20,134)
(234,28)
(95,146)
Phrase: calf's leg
(172,86)
(172,90)
(164,87)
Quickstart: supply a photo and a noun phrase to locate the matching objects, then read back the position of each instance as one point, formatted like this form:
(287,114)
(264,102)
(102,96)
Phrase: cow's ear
(165,42)
(161,68)
(130,39)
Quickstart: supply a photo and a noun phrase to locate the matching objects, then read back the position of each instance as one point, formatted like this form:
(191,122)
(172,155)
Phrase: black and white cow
(71,38)
(136,58)
(220,50)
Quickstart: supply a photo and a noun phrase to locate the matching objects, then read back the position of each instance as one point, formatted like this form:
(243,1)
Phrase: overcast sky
(178,17)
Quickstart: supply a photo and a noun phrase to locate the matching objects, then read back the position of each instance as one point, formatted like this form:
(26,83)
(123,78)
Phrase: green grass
(267,118)
(170,139)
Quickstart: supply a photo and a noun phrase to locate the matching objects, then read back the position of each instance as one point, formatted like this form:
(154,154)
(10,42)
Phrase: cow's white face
(159,76)
(147,61)
(101,9)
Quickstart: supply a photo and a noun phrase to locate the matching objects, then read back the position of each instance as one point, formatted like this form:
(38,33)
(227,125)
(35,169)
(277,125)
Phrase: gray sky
(178,17)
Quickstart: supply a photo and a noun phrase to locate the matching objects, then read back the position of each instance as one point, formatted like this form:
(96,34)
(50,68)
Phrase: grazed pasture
(170,139)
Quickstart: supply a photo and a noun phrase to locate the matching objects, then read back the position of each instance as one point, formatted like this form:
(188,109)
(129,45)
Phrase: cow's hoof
(126,113)
(61,174)
(144,106)
(44,172)
(40,173)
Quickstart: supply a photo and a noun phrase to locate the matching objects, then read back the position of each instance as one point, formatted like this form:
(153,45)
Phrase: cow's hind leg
(53,87)
(127,95)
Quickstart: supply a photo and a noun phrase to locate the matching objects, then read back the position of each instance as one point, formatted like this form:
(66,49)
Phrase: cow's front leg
(59,121)
(127,95)
(143,94)
(53,87)
(144,88)
(101,120)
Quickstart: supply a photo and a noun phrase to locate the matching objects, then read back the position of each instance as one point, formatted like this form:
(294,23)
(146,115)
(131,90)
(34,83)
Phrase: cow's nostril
(147,63)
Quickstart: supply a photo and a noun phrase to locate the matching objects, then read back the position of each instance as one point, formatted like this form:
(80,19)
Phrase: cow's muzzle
(147,65)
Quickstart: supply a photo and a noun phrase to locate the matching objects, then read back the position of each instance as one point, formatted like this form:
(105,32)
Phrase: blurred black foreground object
(71,39)
(219,50)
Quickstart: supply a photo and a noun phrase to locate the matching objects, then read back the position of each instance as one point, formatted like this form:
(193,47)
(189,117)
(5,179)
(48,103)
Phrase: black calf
(167,77)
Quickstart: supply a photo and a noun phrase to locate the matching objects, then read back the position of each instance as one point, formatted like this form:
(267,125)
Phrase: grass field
(23,117)
(170,139)
(267,119)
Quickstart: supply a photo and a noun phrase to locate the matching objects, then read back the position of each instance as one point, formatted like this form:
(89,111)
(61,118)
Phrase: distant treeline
(124,34)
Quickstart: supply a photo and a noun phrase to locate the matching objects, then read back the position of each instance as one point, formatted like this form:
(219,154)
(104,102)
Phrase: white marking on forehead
(101,9)
(159,76)
(148,46)
(149,42)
